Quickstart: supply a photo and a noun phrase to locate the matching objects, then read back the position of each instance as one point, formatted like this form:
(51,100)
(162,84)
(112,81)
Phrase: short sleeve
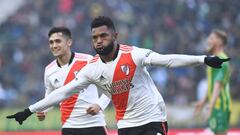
(221,73)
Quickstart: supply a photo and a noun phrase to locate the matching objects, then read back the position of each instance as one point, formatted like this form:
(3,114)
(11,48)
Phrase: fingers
(20,122)
(14,117)
(224,60)
(88,110)
(197,110)
(91,111)
(41,116)
(10,116)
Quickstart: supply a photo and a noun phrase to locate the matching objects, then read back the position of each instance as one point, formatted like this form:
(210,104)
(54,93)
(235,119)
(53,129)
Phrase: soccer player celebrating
(218,94)
(81,114)
(120,71)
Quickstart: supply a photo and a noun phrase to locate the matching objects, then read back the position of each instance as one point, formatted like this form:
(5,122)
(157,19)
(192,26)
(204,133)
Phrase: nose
(99,40)
(53,45)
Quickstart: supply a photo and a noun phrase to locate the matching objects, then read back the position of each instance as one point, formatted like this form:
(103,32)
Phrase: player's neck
(217,51)
(111,56)
(63,60)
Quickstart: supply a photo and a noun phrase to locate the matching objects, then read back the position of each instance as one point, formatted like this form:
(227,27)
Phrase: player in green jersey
(218,95)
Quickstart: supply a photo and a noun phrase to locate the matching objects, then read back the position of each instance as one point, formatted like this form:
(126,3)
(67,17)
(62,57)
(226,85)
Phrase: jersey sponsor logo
(125,69)
(119,86)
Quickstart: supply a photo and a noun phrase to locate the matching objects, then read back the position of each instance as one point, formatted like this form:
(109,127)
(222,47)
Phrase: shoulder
(94,59)
(126,48)
(51,65)
(135,51)
(225,65)
(82,56)
(129,48)
(92,68)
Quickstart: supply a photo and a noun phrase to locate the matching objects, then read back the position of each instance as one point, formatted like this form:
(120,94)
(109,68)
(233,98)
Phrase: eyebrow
(101,34)
(54,40)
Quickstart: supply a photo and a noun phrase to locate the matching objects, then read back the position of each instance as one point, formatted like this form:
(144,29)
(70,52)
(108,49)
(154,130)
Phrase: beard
(105,50)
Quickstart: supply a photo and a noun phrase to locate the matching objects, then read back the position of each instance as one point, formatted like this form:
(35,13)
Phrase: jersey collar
(70,61)
(115,55)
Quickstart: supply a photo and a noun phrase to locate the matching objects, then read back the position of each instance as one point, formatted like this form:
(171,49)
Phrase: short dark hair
(101,21)
(221,34)
(64,30)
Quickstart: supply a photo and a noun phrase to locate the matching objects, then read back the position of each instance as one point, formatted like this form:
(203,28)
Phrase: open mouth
(100,48)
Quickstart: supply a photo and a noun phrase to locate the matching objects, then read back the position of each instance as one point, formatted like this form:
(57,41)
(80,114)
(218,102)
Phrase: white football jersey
(134,95)
(127,81)
(73,109)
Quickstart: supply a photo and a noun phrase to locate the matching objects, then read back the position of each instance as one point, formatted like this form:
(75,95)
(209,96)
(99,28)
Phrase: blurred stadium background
(165,26)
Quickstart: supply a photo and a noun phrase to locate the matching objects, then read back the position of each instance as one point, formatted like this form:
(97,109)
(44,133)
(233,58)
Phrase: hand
(214,61)
(209,112)
(208,115)
(198,107)
(20,116)
(93,109)
(41,116)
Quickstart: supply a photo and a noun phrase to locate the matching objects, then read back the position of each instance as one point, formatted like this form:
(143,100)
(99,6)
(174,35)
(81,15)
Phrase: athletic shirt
(73,109)
(127,82)
(134,95)
(222,75)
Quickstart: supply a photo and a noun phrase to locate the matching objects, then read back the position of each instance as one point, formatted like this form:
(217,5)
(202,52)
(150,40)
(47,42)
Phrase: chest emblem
(125,69)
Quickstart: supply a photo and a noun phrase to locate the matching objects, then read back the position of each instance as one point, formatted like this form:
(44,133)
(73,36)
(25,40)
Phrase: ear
(69,42)
(115,36)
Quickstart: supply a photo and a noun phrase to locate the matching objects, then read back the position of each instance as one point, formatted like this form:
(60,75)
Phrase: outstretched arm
(53,98)
(179,60)
(57,96)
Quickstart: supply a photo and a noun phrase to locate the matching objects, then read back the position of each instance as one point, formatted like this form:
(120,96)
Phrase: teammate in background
(81,114)
(120,71)
(218,94)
